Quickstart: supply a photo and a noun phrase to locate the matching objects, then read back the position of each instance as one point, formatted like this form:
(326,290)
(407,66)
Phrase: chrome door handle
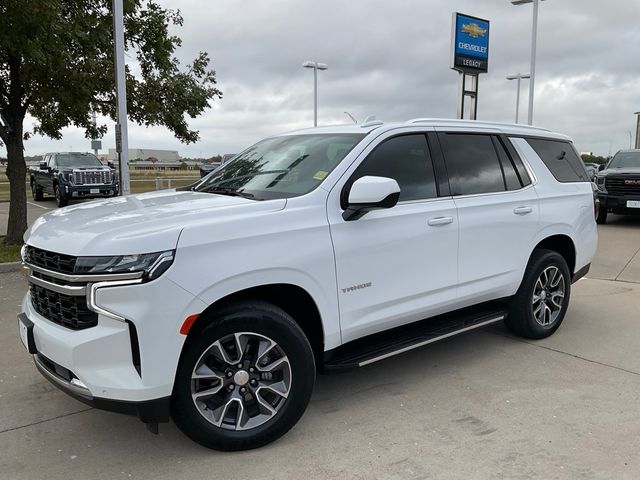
(440,221)
(522,210)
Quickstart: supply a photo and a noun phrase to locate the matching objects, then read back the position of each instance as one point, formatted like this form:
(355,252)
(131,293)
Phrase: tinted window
(472,163)
(625,160)
(511,178)
(561,159)
(405,159)
(280,167)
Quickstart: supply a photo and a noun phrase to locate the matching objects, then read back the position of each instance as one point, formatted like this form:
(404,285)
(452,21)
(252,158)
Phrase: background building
(137,154)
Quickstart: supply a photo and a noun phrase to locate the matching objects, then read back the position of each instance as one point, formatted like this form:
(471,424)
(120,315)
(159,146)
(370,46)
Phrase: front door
(395,265)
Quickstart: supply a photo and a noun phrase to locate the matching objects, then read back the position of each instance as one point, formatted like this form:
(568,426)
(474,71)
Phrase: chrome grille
(627,185)
(92,177)
(53,261)
(66,310)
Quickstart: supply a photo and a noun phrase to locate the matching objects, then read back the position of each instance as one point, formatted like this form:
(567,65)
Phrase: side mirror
(371,193)
(601,167)
(43,165)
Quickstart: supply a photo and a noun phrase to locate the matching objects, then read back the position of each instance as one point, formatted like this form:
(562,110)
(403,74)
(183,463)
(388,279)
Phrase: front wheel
(540,304)
(601,218)
(61,199)
(36,192)
(245,380)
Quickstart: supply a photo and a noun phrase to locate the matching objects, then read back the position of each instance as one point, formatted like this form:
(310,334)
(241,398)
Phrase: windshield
(280,167)
(77,160)
(625,160)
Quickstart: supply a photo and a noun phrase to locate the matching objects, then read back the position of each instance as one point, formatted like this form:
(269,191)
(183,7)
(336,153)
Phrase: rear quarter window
(561,159)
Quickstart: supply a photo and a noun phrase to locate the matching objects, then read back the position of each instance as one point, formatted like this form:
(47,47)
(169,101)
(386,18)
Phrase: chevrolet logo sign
(474,30)
(632,182)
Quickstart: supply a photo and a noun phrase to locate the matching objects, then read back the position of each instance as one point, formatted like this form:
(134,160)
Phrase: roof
(506,128)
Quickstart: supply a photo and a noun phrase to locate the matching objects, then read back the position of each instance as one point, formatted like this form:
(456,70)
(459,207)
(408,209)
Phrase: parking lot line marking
(39,206)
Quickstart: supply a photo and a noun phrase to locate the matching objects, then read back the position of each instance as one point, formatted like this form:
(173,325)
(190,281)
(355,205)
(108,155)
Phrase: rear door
(395,265)
(498,213)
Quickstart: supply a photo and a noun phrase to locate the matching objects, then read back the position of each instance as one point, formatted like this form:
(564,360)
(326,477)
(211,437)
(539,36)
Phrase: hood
(620,171)
(143,223)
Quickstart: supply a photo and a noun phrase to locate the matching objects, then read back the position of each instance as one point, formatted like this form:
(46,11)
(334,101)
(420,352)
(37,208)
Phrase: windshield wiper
(229,192)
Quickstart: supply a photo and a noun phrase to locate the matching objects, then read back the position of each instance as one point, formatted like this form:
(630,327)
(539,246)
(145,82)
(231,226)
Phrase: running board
(393,342)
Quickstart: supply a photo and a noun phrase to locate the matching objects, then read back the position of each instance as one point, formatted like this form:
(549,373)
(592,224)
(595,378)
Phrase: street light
(518,76)
(532,70)
(637,114)
(316,66)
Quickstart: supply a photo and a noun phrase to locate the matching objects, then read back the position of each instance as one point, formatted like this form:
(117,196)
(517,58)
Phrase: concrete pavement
(480,405)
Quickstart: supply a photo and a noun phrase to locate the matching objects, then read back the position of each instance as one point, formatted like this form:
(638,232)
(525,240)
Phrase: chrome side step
(431,340)
(374,348)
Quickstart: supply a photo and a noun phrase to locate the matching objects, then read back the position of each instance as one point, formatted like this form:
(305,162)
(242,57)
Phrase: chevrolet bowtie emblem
(474,30)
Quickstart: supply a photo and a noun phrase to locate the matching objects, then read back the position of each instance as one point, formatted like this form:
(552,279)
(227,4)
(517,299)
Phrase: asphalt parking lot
(481,405)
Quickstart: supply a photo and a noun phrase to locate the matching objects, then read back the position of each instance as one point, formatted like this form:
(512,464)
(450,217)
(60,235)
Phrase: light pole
(316,66)
(637,114)
(532,70)
(630,139)
(518,77)
(122,137)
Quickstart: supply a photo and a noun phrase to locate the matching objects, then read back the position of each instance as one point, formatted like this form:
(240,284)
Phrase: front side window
(472,163)
(76,160)
(280,167)
(406,159)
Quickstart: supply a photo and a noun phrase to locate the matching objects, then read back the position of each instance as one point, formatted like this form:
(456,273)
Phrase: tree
(56,64)
(588,158)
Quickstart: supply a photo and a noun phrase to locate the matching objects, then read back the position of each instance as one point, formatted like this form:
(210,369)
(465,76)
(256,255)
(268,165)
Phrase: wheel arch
(562,244)
(293,299)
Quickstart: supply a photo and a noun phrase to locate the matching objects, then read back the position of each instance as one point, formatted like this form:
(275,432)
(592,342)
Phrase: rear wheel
(539,306)
(245,380)
(36,191)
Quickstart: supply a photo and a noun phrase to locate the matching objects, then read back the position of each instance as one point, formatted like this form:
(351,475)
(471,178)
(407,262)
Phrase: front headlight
(151,264)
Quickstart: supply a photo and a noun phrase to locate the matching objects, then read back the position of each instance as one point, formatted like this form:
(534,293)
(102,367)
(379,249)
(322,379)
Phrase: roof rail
(476,122)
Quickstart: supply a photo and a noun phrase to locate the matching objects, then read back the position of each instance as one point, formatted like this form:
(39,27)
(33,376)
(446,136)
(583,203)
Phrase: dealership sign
(470,44)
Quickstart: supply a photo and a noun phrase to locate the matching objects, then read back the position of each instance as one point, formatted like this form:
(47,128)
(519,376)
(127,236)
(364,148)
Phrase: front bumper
(89,191)
(149,411)
(617,203)
(107,366)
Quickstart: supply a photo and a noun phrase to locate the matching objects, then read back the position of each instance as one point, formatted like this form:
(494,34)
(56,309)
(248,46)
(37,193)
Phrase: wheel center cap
(241,377)
(543,295)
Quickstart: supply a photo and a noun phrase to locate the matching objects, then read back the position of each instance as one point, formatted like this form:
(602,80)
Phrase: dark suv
(71,175)
(619,185)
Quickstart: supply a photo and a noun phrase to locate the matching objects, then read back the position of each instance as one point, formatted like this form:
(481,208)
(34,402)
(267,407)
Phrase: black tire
(601,218)
(521,318)
(36,191)
(262,319)
(61,199)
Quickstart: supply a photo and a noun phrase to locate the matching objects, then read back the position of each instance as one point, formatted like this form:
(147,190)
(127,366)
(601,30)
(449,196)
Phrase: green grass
(9,253)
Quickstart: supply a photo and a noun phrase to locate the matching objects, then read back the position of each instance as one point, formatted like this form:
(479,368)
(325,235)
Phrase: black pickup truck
(72,175)
(619,185)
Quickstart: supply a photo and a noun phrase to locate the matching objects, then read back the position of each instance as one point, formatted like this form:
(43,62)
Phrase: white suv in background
(313,251)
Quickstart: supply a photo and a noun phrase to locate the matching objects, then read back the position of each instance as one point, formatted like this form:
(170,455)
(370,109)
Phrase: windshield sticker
(320,174)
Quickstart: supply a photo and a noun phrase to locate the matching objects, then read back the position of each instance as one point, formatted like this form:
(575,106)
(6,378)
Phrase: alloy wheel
(241,381)
(548,296)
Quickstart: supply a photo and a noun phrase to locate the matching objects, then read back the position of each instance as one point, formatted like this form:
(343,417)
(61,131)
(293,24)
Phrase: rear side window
(405,159)
(561,159)
(472,163)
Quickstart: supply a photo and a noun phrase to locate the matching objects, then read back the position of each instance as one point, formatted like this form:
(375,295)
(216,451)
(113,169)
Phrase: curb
(10,267)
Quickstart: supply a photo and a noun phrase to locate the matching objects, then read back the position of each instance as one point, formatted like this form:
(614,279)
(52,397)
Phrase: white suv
(316,250)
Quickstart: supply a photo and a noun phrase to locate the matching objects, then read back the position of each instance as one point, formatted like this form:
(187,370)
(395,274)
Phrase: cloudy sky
(391,58)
